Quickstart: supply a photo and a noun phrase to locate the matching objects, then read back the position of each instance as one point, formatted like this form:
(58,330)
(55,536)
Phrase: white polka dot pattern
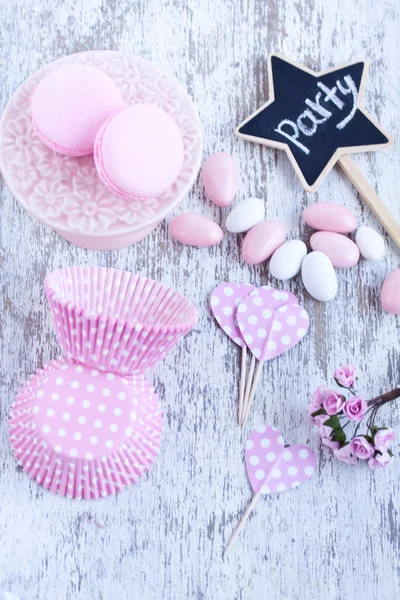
(114,320)
(224,301)
(271,322)
(85,449)
(272,467)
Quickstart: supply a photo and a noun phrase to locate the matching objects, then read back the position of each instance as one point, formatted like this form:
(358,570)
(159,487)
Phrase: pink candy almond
(390,295)
(220,178)
(328,216)
(195,230)
(262,241)
(342,251)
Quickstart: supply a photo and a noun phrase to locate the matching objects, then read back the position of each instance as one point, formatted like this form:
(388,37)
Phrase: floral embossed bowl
(65,192)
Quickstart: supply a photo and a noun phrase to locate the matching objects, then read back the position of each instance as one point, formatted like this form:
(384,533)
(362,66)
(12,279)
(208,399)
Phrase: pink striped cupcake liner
(114,320)
(84,433)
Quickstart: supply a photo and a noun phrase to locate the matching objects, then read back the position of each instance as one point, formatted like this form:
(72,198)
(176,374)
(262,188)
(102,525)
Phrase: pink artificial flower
(384,439)
(318,397)
(380,460)
(355,408)
(324,430)
(332,445)
(333,402)
(361,448)
(344,455)
(345,376)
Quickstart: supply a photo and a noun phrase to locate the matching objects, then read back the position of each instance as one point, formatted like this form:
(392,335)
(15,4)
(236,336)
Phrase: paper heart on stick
(273,467)
(276,297)
(271,321)
(224,301)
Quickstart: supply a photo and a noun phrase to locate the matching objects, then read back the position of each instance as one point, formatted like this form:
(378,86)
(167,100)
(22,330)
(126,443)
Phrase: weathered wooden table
(336,537)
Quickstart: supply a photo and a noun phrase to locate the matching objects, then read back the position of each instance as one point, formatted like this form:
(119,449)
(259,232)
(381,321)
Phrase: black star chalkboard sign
(317,118)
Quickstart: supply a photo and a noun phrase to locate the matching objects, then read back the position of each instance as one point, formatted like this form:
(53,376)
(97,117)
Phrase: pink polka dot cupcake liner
(84,433)
(114,320)
(90,424)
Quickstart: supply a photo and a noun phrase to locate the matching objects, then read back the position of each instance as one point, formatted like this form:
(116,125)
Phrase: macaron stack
(138,150)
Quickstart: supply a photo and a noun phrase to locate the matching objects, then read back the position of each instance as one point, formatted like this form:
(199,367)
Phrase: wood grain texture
(339,535)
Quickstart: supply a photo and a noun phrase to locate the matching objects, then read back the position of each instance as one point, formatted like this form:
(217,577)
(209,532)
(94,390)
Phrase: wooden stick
(243,520)
(242,383)
(248,386)
(371,197)
(252,392)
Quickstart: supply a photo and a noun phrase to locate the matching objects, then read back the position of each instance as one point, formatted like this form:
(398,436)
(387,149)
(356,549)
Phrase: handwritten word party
(311,118)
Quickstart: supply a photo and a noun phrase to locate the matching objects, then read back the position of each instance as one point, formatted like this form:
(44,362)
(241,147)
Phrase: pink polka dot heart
(271,322)
(272,467)
(224,301)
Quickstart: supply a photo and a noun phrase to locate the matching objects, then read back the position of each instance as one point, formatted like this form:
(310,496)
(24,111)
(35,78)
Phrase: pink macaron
(69,106)
(139,152)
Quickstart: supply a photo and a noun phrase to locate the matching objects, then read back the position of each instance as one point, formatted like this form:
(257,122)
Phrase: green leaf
(333,422)
(338,436)
(320,411)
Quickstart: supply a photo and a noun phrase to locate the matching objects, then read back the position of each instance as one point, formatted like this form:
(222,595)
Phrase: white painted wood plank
(337,536)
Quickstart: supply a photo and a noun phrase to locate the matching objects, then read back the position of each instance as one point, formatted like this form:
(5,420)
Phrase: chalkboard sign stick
(318,120)
(371,197)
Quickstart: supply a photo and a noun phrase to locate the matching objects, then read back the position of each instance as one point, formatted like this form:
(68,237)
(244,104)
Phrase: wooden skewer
(243,520)
(371,198)
(242,383)
(250,399)
(248,386)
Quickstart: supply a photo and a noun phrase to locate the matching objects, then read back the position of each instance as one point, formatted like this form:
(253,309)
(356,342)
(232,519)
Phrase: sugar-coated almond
(319,277)
(261,241)
(245,215)
(328,216)
(341,250)
(370,243)
(220,178)
(195,230)
(390,295)
(287,259)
